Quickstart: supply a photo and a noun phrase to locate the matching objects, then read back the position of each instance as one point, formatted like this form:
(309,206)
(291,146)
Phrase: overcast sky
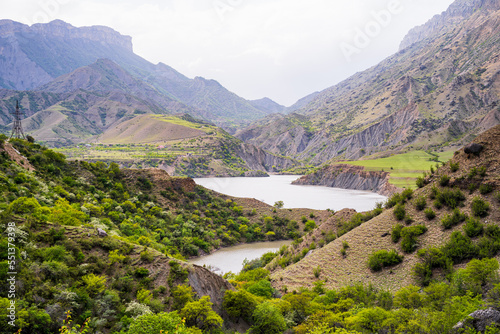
(282,49)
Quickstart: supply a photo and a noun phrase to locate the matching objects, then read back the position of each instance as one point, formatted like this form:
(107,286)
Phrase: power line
(17,128)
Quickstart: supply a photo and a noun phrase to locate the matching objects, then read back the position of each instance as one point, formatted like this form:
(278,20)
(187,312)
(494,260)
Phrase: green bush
(459,248)
(309,226)
(396,233)
(451,198)
(384,258)
(420,203)
(454,219)
(480,207)
(444,180)
(409,236)
(473,228)
(485,188)
(400,212)
(472,187)
(429,214)
(454,166)
(420,182)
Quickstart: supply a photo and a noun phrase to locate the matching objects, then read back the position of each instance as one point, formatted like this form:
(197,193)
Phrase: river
(279,188)
(231,258)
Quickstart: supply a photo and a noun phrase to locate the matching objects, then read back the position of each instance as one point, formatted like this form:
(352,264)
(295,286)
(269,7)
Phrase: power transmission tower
(17,128)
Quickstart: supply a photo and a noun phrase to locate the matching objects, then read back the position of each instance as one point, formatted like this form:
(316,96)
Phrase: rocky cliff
(350,177)
(456,13)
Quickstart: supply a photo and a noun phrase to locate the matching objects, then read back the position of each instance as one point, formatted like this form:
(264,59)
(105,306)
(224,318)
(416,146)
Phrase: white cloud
(283,49)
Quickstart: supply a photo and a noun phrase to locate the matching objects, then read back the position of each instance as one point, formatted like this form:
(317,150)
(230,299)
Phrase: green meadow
(404,168)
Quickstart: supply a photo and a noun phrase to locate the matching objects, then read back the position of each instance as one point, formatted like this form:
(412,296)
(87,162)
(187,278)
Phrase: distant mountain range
(440,90)
(98,65)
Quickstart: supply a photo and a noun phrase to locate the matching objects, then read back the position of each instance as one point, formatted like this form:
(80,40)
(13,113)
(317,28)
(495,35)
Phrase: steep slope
(31,57)
(465,169)
(434,93)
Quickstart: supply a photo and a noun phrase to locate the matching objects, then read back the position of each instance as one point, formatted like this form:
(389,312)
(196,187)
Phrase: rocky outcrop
(206,283)
(350,177)
(258,159)
(479,320)
(456,13)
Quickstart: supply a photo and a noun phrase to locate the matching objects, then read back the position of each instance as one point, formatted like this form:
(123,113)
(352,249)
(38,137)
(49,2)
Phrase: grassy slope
(404,168)
(368,238)
(153,129)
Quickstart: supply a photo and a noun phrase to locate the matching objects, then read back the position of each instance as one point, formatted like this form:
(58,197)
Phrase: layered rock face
(350,177)
(456,13)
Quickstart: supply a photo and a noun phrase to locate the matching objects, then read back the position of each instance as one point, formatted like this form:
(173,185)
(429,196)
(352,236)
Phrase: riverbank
(350,177)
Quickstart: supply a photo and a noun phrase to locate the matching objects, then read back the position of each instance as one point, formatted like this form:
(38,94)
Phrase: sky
(281,49)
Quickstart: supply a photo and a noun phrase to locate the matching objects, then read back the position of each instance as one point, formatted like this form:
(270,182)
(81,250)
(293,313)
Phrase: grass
(404,168)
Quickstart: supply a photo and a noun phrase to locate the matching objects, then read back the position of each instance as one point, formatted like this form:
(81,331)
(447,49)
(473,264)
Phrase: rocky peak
(456,13)
(65,30)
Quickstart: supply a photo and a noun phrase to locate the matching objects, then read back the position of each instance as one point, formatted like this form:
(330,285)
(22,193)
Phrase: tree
(239,304)
(262,288)
(154,323)
(279,204)
(268,319)
(182,294)
(200,314)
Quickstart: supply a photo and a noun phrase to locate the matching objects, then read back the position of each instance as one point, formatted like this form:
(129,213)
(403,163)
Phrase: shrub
(434,192)
(444,180)
(472,187)
(317,271)
(454,219)
(438,205)
(473,228)
(262,288)
(392,201)
(459,248)
(454,166)
(482,171)
(420,182)
(95,284)
(429,214)
(451,198)
(384,258)
(497,196)
(409,236)
(399,212)
(480,207)
(420,203)
(472,173)
(396,233)
(309,226)
(485,188)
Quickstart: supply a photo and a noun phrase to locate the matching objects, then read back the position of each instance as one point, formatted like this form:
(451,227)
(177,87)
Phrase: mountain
(440,91)
(32,57)
(268,105)
(457,196)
